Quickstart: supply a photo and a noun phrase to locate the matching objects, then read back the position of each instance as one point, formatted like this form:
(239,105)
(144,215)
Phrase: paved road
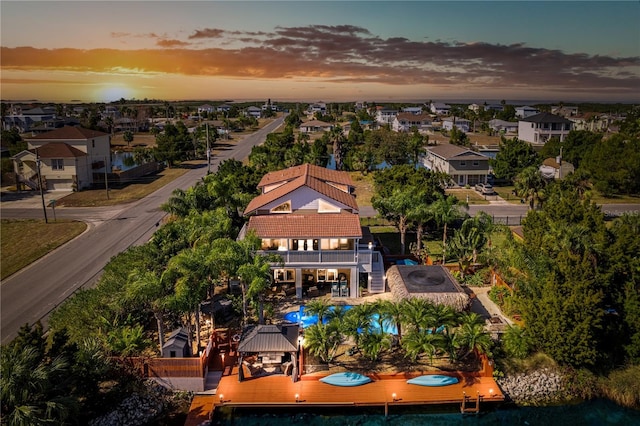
(31,294)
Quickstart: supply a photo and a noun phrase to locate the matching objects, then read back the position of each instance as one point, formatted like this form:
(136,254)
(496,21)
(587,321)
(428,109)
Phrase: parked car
(485,189)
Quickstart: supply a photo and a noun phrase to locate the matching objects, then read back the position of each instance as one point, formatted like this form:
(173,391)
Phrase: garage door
(60,184)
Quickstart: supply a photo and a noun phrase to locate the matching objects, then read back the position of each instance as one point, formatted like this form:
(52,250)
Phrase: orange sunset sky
(95,51)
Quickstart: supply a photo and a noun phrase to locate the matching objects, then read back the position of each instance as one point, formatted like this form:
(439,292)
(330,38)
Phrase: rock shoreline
(540,387)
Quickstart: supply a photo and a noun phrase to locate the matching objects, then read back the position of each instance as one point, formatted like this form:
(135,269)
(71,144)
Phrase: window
(476,163)
(326,207)
(463,163)
(57,164)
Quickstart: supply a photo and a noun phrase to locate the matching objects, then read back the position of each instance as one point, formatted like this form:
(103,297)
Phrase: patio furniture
(335,289)
(344,289)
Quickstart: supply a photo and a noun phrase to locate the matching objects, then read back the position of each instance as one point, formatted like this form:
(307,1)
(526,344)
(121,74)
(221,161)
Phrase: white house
(317,107)
(386,115)
(539,128)
(440,108)
(206,108)
(503,126)
(525,111)
(313,126)
(466,167)
(309,216)
(404,121)
(253,111)
(413,110)
(68,158)
(449,123)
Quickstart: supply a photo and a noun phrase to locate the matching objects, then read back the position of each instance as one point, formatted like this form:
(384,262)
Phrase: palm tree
(319,307)
(442,315)
(417,313)
(358,320)
(516,342)
(372,344)
(149,290)
(473,338)
(445,210)
(394,313)
(400,205)
(420,213)
(528,184)
(416,343)
(258,277)
(31,387)
(322,340)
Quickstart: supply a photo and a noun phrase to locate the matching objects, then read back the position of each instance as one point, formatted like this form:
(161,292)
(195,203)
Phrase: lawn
(19,246)
(126,193)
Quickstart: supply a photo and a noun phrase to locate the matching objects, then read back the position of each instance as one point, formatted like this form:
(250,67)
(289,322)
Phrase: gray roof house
(539,128)
(466,167)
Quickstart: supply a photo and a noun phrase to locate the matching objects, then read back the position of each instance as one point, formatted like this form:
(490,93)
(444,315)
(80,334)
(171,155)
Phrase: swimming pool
(305,320)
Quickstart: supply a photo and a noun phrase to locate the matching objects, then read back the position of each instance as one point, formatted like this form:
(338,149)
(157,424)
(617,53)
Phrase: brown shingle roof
(309,180)
(59,150)
(318,225)
(318,172)
(69,133)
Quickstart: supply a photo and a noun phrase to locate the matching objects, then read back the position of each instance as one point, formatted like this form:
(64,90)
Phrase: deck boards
(280,391)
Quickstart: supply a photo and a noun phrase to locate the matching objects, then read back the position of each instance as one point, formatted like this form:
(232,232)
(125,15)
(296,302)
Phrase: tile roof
(59,150)
(305,180)
(318,172)
(315,225)
(270,338)
(70,133)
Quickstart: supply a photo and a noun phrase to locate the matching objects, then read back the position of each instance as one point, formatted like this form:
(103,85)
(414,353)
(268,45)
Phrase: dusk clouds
(344,53)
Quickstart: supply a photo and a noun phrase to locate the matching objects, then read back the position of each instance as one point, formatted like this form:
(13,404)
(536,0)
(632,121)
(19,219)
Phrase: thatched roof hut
(432,282)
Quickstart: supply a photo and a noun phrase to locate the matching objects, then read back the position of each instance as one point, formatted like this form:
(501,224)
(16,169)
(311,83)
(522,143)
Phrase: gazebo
(271,345)
(432,282)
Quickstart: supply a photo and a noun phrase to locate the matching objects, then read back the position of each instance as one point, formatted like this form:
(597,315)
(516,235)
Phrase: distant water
(593,413)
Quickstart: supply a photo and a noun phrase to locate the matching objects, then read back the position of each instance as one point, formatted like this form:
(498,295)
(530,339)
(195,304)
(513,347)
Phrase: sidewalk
(28,199)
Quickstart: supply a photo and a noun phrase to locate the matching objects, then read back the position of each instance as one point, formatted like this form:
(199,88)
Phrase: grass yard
(126,193)
(19,248)
(468,195)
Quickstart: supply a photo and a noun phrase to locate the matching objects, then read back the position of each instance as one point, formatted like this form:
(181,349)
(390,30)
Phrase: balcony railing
(321,256)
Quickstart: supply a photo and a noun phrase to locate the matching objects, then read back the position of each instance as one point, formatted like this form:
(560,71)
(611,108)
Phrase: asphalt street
(32,293)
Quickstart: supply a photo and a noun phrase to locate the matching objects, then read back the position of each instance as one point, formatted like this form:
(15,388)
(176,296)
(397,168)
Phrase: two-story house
(466,167)
(440,108)
(462,124)
(67,158)
(404,121)
(309,216)
(526,111)
(385,116)
(539,128)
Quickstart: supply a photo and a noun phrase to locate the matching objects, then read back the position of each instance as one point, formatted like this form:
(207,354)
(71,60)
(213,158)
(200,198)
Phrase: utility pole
(208,151)
(106,184)
(44,208)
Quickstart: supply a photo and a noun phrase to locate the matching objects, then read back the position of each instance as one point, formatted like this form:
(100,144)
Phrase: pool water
(305,320)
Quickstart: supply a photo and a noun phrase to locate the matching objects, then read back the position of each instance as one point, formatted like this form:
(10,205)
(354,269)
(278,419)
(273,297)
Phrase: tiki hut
(432,282)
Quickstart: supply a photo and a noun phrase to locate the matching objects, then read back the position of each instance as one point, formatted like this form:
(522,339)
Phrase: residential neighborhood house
(449,123)
(404,121)
(313,126)
(466,167)
(539,128)
(309,216)
(525,111)
(65,158)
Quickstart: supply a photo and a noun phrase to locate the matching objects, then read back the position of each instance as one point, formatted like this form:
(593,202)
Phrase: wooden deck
(280,391)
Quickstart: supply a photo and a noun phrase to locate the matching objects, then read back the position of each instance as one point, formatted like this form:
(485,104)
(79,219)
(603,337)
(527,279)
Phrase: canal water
(593,413)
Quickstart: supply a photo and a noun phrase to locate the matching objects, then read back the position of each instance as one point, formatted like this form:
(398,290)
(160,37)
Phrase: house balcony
(310,257)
